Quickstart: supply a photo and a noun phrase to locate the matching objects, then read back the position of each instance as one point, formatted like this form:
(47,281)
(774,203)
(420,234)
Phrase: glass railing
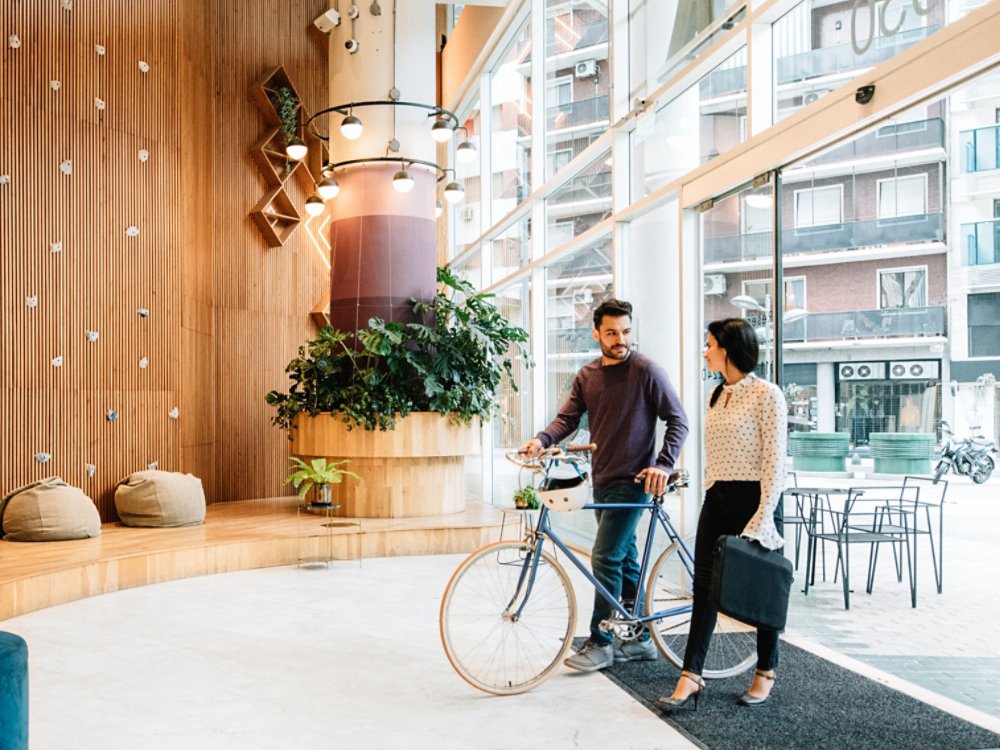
(843,236)
(981,242)
(866,324)
(585,187)
(722,82)
(582,112)
(980,149)
(888,139)
(842,57)
(570,340)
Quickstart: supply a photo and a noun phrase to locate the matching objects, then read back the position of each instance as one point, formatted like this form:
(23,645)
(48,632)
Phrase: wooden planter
(418,469)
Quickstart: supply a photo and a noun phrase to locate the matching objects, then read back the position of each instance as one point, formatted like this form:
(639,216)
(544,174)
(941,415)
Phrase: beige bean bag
(49,511)
(160,498)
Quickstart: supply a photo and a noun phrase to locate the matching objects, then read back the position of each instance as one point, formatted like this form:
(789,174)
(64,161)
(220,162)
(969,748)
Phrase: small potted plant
(318,473)
(526,498)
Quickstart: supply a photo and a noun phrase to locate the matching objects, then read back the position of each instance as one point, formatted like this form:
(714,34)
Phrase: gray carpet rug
(815,704)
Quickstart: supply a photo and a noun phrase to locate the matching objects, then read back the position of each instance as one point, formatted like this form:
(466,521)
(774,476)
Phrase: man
(624,394)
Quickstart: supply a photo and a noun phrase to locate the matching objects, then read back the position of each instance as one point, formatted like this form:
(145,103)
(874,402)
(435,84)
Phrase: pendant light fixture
(314,205)
(296,149)
(328,188)
(351,128)
(402,181)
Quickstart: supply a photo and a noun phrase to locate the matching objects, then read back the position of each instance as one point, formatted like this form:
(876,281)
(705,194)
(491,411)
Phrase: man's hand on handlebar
(655,480)
(532,448)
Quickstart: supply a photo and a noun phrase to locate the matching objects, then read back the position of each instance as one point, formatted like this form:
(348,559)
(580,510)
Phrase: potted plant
(421,388)
(288,108)
(526,498)
(319,474)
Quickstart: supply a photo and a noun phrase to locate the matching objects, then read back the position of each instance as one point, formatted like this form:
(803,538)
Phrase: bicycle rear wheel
(491,647)
(733,648)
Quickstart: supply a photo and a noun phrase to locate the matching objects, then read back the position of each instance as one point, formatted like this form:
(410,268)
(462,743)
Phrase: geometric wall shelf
(276,217)
(274,214)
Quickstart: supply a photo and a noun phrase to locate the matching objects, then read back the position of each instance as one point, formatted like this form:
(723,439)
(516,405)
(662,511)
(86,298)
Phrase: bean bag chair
(160,499)
(48,511)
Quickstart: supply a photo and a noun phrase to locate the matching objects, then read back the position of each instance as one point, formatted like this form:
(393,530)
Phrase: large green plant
(453,365)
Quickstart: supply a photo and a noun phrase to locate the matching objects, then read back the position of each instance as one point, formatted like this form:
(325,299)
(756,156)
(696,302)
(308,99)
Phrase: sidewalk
(947,644)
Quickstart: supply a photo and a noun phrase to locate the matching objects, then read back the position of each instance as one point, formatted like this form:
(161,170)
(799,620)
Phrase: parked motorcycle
(969,457)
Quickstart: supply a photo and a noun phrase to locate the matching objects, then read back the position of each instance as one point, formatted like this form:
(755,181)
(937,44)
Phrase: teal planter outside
(818,451)
(902,452)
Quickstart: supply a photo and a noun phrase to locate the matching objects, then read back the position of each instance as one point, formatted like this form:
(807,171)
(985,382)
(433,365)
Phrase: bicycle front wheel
(503,631)
(733,648)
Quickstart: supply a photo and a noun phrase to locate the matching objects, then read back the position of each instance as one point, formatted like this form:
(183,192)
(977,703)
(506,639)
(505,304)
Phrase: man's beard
(618,352)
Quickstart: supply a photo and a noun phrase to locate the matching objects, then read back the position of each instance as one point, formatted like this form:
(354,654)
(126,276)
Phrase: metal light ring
(403,162)
(345,109)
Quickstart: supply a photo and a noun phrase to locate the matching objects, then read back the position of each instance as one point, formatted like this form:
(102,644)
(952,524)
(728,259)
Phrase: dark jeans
(615,558)
(727,509)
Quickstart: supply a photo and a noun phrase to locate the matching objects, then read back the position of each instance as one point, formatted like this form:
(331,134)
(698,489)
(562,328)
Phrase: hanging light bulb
(454,192)
(441,130)
(466,152)
(402,181)
(328,188)
(438,209)
(351,128)
(314,205)
(296,149)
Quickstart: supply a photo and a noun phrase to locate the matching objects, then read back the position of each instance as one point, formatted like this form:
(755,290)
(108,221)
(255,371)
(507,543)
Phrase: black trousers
(727,509)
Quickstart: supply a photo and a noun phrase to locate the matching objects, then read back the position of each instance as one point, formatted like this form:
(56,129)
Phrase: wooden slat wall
(226,313)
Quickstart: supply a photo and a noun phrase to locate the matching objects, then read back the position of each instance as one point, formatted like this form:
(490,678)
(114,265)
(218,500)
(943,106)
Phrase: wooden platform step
(235,536)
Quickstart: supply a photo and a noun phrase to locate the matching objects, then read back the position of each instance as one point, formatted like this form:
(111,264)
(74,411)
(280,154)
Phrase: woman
(745,437)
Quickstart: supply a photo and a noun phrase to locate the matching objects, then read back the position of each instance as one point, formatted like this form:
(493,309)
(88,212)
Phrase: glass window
(819,46)
(468,225)
(691,129)
(574,286)
(510,137)
(820,206)
(902,288)
(666,36)
(581,203)
(513,425)
(512,248)
(984,324)
(577,78)
(902,196)
(470,268)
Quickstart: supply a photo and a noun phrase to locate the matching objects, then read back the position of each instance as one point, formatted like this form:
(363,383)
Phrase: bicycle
(508,614)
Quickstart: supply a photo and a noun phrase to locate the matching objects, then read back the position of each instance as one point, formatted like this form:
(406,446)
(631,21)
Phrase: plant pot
(322,494)
(418,469)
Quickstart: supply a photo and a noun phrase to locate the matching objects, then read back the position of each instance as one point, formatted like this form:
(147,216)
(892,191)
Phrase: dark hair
(737,337)
(616,308)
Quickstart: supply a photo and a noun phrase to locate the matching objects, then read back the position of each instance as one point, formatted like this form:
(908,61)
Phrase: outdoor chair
(932,496)
(796,515)
(872,516)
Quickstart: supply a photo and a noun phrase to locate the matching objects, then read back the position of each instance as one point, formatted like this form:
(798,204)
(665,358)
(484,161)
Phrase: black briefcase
(751,583)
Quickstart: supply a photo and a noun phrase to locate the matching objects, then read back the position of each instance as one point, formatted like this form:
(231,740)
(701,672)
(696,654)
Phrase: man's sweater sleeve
(568,418)
(671,411)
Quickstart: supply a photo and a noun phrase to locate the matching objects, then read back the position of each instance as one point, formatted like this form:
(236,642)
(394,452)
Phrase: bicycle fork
(525,583)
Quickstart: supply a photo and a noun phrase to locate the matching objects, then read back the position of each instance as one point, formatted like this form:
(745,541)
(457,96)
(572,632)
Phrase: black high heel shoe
(750,700)
(665,701)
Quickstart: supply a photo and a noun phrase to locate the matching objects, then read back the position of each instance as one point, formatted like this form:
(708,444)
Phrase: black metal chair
(798,517)
(932,495)
(869,515)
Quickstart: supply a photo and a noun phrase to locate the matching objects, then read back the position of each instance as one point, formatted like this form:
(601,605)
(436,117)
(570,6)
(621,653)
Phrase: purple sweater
(623,403)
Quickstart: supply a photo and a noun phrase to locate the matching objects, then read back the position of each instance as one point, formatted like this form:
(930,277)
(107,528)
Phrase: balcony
(888,140)
(980,149)
(842,58)
(573,114)
(867,324)
(843,236)
(981,243)
(722,82)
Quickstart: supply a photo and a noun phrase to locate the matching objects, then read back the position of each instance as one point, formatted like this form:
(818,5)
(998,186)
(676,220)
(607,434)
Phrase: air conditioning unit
(861,370)
(923,369)
(583,296)
(586,68)
(714,283)
(813,95)
(468,213)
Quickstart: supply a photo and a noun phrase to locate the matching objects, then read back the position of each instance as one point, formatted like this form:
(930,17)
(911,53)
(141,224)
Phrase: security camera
(353,12)
(327,21)
(351,45)
(865,94)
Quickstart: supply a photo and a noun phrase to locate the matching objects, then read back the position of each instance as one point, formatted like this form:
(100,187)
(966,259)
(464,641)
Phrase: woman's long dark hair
(737,337)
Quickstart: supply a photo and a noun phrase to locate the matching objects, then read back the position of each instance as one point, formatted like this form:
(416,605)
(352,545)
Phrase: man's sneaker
(636,651)
(591,657)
